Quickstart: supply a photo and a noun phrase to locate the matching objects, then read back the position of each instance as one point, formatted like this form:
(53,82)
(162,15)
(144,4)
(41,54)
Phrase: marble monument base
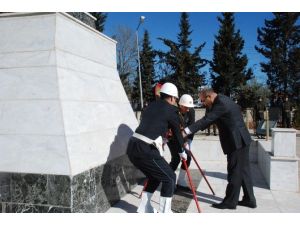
(94,190)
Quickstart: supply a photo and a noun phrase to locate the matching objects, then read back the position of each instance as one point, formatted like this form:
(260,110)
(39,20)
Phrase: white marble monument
(63,115)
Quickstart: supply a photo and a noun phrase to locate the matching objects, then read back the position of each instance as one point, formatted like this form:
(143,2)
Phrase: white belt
(158,142)
(143,138)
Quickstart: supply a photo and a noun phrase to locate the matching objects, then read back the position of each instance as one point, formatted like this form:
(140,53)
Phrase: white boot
(165,205)
(181,181)
(145,204)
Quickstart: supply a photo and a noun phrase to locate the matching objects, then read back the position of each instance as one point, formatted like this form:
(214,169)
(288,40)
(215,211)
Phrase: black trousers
(239,175)
(146,158)
(175,158)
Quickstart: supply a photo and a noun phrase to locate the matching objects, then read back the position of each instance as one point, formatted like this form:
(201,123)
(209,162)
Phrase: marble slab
(94,190)
(61,99)
(284,142)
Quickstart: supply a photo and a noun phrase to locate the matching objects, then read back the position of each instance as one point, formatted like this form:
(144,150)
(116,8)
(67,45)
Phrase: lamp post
(142,18)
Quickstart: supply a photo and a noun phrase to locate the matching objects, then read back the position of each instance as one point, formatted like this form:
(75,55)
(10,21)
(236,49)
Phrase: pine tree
(251,92)
(228,67)
(185,66)
(101,18)
(147,56)
(280,42)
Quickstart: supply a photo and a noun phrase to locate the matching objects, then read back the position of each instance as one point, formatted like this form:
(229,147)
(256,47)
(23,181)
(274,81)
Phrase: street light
(142,18)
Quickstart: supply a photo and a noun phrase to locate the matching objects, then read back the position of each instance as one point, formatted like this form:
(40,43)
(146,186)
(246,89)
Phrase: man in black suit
(235,141)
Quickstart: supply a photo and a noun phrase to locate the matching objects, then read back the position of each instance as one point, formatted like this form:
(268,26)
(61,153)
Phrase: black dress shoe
(247,204)
(223,205)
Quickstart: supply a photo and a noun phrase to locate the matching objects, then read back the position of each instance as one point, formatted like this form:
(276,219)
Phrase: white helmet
(186,100)
(169,89)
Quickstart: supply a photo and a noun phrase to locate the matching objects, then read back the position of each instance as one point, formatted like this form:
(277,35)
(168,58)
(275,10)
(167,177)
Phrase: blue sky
(204,26)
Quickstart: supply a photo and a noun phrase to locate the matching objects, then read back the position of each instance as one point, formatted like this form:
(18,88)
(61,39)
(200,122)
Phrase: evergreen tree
(228,67)
(295,85)
(101,18)
(147,56)
(251,92)
(279,41)
(185,65)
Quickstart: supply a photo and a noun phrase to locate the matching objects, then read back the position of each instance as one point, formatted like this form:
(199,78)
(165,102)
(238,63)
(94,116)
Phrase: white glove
(186,146)
(183,155)
(183,134)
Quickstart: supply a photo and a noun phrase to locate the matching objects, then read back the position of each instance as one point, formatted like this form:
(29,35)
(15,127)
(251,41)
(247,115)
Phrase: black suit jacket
(226,114)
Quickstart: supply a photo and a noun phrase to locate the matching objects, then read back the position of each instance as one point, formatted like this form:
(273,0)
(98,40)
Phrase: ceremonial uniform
(259,111)
(186,119)
(157,118)
(214,125)
(286,114)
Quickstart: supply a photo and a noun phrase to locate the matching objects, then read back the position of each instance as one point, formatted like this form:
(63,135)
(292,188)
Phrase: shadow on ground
(257,177)
(129,208)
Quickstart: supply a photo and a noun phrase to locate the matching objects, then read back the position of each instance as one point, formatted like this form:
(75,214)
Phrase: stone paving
(268,201)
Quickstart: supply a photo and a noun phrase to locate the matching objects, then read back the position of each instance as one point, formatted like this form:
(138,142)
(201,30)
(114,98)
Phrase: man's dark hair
(206,91)
(164,96)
